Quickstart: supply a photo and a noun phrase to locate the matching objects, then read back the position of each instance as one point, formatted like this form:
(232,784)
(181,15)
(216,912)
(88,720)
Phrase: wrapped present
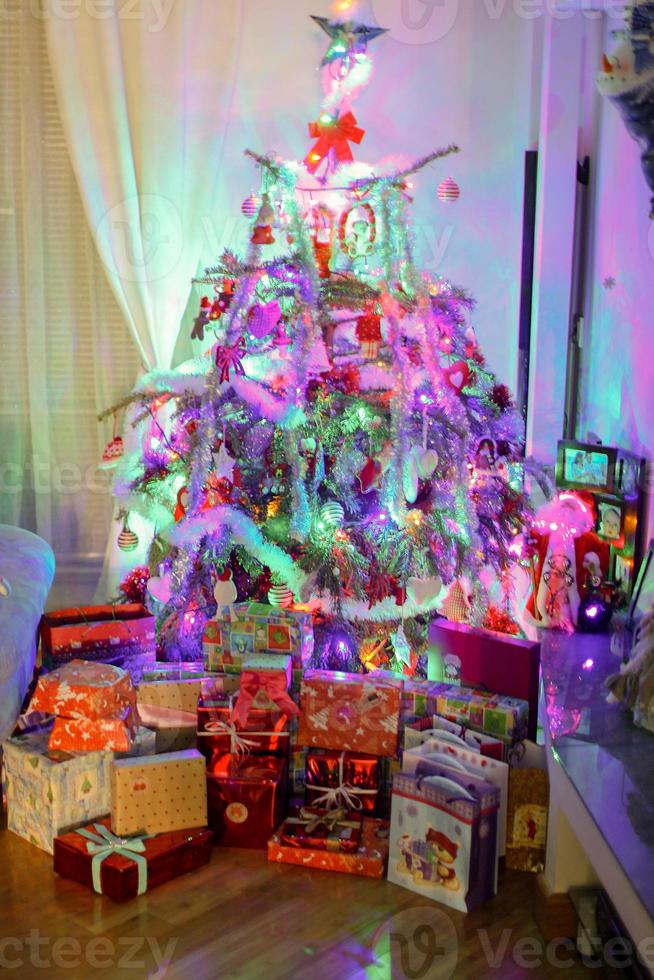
(443,750)
(174,730)
(351,712)
(246,628)
(143,743)
(444,836)
(264,683)
(123,867)
(418,695)
(246,800)
(122,635)
(264,733)
(422,729)
(81,689)
(323,830)
(175,671)
(342,779)
(158,793)
(95,734)
(49,791)
(219,687)
(369,860)
(476,657)
(504,717)
(528,801)
(178,694)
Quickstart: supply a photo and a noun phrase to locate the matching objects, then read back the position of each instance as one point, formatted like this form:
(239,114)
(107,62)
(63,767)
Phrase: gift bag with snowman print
(443,836)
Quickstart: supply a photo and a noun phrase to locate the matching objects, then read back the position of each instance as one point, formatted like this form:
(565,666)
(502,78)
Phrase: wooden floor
(244,918)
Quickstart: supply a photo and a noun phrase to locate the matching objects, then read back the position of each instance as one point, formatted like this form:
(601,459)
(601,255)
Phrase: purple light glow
(588,664)
(593,611)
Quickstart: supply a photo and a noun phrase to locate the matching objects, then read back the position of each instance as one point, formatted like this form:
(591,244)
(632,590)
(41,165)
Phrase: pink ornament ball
(448,190)
(250,206)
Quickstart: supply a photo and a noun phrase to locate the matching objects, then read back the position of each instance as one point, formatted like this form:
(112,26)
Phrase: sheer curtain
(144,93)
(66,350)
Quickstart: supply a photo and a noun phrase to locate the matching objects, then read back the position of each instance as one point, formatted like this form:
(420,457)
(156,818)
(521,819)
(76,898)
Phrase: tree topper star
(346,37)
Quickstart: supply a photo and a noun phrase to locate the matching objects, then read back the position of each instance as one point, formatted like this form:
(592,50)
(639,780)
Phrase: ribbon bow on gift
(329,820)
(273,683)
(333,135)
(343,795)
(102,844)
(238,744)
(230,357)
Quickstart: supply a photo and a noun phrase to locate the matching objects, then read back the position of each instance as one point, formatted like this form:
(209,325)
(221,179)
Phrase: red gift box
(342,779)
(491,661)
(246,800)
(323,830)
(122,868)
(352,712)
(123,635)
(264,733)
(369,860)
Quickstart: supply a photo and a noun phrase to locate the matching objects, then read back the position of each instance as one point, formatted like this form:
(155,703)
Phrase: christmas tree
(342,445)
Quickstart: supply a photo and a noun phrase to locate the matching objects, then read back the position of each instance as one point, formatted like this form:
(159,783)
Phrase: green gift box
(246,629)
(494,714)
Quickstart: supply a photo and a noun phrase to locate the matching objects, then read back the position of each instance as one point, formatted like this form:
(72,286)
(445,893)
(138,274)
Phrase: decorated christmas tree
(342,445)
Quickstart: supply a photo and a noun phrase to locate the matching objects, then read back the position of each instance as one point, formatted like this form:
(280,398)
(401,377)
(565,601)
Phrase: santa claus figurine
(565,542)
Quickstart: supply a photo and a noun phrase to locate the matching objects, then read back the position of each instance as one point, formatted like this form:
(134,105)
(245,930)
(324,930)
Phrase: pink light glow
(589,663)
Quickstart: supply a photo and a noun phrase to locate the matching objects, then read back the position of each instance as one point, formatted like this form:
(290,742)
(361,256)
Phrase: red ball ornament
(448,190)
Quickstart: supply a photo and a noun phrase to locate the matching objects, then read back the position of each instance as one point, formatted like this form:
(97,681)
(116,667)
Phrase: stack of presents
(128,771)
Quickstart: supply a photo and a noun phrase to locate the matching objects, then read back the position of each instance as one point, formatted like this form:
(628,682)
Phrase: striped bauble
(127,540)
(250,206)
(332,513)
(280,595)
(448,190)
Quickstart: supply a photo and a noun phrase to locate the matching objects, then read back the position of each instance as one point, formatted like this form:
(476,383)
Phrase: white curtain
(144,92)
(66,351)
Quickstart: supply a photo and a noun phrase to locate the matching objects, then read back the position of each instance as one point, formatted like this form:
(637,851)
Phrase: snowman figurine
(224,590)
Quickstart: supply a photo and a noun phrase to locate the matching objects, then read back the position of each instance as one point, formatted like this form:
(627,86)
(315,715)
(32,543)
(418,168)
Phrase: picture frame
(586,466)
(610,521)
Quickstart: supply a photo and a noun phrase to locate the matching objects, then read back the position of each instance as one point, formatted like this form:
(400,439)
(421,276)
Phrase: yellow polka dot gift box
(158,793)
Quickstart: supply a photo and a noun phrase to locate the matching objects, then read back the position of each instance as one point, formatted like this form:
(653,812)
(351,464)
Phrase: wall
(463,76)
(617,392)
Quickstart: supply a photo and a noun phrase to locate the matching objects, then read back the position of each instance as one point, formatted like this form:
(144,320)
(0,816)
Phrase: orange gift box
(94,734)
(369,860)
(351,712)
(81,689)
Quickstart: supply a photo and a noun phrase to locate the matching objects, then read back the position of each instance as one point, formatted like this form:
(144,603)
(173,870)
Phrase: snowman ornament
(224,590)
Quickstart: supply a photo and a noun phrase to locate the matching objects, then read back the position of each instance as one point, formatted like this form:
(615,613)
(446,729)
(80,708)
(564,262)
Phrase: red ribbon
(273,682)
(333,136)
(230,357)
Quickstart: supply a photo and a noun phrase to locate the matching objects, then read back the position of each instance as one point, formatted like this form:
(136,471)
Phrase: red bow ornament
(335,135)
(228,358)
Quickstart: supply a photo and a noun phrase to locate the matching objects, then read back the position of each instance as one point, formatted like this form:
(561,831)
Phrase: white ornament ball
(332,513)
(448,190)
(280,595)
